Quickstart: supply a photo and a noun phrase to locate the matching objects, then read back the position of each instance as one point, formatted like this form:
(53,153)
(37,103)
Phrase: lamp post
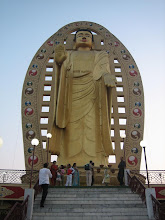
(4,175)
(1,141)
(123,136)
(49,135)
(35,143)
(142,144)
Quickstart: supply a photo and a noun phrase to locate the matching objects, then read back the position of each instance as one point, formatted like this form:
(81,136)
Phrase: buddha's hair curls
(83,30)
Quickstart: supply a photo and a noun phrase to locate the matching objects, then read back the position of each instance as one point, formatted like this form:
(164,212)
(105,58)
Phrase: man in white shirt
(44,175)
(89,174)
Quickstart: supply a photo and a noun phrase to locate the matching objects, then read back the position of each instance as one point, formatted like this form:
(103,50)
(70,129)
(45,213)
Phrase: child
(62,174)
(58,179)
(69,175)
(106,179)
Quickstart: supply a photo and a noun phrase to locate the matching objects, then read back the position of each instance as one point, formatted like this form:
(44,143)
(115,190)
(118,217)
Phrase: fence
(23,176)
(137,186)
(17,176)
(154,176)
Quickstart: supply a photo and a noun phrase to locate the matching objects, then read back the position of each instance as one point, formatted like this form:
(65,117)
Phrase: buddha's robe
(83,107)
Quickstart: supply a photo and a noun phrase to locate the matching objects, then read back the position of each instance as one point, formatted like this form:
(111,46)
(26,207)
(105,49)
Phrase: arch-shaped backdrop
(128,99)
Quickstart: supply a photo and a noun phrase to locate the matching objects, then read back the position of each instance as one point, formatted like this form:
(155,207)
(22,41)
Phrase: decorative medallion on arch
(127,115)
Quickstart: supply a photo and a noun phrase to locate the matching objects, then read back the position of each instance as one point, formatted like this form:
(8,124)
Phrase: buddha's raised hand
(60,54)
(110,80)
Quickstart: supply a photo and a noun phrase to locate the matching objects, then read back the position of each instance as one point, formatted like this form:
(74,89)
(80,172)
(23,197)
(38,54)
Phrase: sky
(26,25)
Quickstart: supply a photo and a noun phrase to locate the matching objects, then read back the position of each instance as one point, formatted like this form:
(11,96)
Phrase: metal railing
(154,176)
(23,176)
(159,209)
(17,176)
(18,211)
(136,186)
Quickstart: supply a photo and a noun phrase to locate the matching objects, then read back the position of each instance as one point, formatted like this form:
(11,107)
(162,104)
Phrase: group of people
(56,174)
(72,175)
(106,180)
(57,177)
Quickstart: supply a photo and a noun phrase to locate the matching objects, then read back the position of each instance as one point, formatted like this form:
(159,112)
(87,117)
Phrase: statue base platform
(98,176)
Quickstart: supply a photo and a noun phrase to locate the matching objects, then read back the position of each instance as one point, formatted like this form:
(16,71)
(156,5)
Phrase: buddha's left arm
(102,69)
(109,79)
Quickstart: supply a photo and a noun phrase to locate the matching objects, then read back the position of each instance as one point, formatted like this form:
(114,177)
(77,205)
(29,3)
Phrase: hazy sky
(26,25)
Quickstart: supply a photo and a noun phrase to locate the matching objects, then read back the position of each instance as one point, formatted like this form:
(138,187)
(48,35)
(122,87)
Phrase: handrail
(18,211)
(136,186)
(159,209)
(37,189)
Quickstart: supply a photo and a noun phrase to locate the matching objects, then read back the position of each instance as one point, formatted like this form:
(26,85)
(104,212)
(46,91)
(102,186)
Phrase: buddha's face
(84,40)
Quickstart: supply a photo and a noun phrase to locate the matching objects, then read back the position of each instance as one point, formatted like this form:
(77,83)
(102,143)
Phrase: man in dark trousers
(121,167)
(44,175)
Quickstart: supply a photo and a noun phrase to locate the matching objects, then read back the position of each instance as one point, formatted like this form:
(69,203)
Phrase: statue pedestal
(98,176)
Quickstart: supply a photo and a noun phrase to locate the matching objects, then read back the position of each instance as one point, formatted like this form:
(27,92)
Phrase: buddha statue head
(83,40)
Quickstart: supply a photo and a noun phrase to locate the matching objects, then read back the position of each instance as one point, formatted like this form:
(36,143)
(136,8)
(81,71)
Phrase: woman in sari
(76,180)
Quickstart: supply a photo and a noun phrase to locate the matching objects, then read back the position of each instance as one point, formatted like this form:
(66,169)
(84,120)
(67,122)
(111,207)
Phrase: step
(102,210)
(77,199)
(87,216)
(91,218)
(90,196)
(90,203)
(90,189)
(89,192)
(84,207)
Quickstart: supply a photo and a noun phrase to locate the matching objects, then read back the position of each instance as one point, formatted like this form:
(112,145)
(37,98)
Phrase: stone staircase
(90,203)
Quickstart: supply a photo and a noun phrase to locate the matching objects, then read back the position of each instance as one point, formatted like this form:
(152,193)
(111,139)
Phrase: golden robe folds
(83,108)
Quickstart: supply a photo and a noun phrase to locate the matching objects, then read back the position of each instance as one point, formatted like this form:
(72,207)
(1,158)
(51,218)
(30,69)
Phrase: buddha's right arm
(60,55)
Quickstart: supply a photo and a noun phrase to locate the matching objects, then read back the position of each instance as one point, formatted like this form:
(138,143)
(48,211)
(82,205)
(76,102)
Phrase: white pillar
(148,193)
(29,192)
(126,176)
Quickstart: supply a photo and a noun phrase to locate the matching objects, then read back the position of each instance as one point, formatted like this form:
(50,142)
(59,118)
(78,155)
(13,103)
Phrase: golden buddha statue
(83,103)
